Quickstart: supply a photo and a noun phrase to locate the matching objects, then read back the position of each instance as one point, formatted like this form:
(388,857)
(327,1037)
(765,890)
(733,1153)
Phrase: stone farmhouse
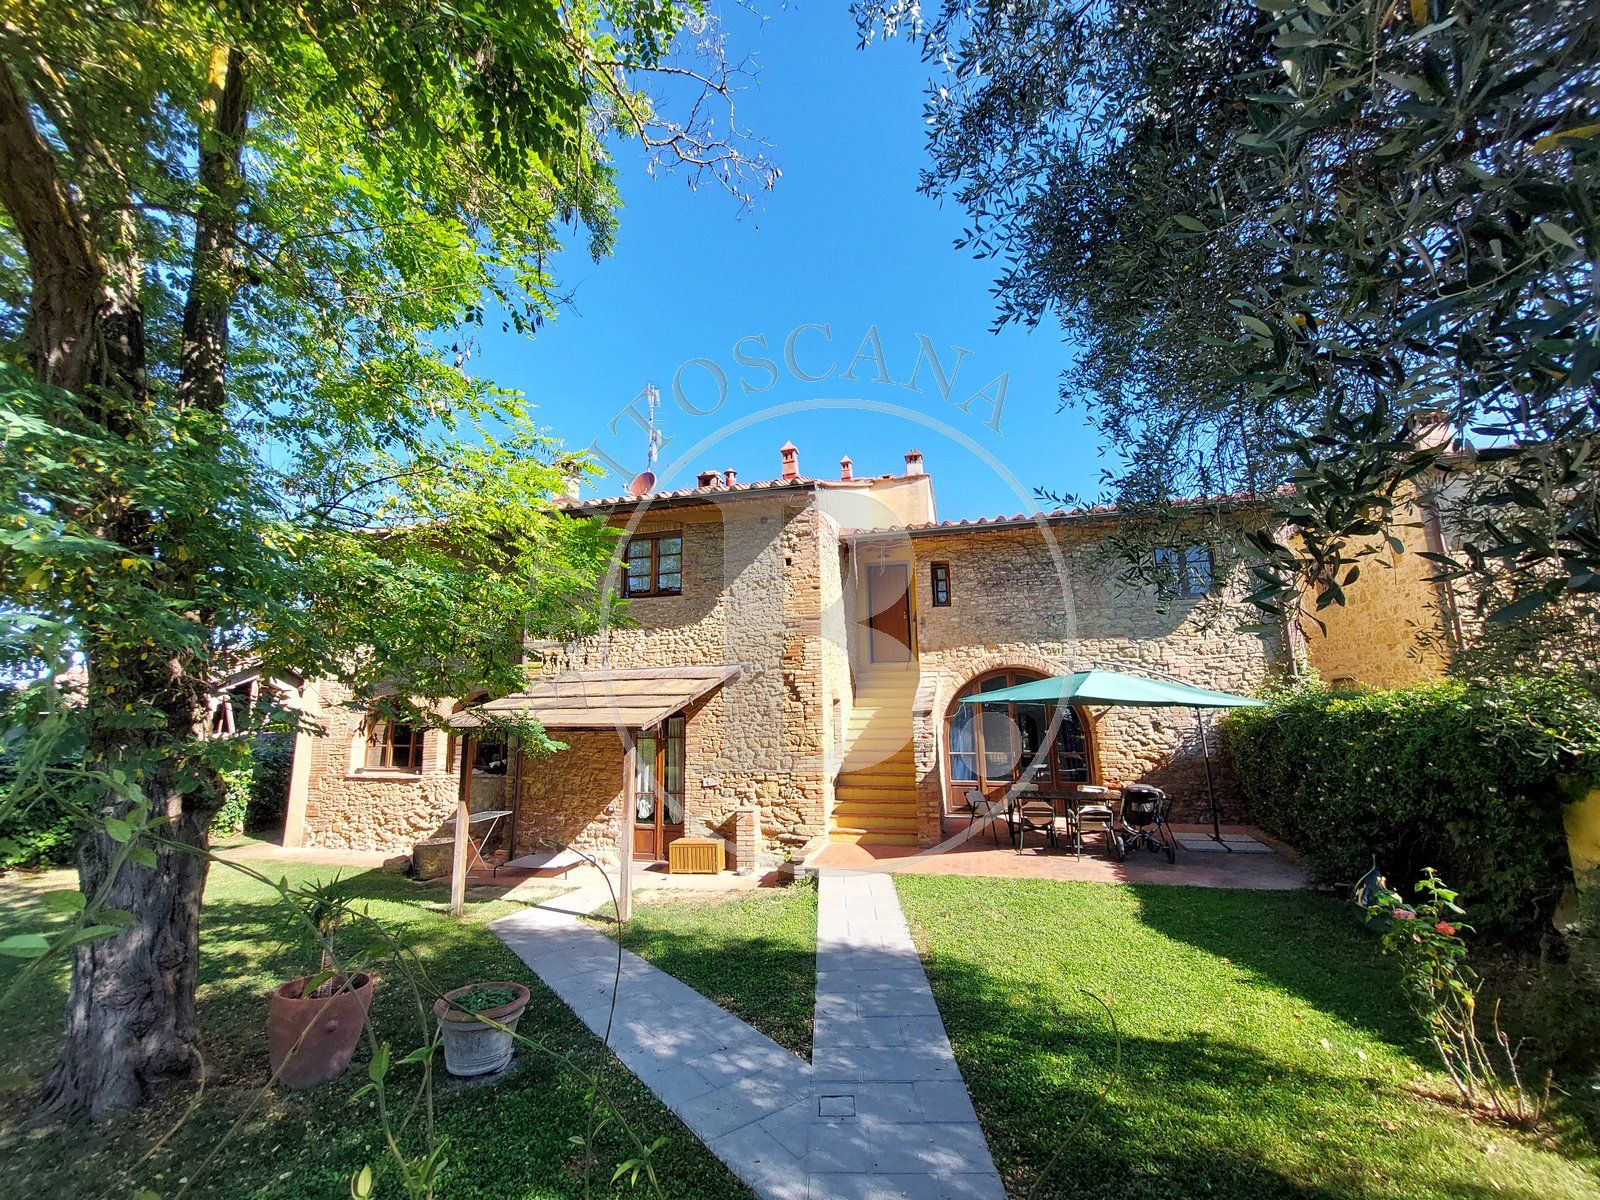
(791,665)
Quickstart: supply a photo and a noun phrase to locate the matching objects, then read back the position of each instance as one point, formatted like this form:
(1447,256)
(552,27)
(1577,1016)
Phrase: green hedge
(1467,778)
(37,838)
(271,763)
(43,836)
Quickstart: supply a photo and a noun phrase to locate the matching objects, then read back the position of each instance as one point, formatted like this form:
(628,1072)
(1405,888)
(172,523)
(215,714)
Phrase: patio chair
(979,805)
(1039,816)
(1090,815)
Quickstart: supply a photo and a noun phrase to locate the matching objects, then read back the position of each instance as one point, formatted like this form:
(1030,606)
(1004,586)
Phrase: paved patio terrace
(1274,868)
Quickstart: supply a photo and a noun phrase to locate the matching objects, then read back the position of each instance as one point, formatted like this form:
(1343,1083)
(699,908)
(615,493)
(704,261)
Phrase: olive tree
(1282,234)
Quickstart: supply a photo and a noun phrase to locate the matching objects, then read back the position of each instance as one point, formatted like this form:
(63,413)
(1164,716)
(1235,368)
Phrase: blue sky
(844,241)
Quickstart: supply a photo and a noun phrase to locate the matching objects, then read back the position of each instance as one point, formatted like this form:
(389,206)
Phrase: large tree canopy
(1282,233)
(239,245)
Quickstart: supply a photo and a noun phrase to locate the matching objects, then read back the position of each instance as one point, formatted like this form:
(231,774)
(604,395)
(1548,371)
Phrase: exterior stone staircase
(875,793)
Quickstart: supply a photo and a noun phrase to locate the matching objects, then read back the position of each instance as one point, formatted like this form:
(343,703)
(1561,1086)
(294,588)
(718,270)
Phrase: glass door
(993,746)
(658,791)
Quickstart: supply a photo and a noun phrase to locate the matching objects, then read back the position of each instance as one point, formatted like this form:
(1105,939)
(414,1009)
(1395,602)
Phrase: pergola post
(458,859)
(630,768)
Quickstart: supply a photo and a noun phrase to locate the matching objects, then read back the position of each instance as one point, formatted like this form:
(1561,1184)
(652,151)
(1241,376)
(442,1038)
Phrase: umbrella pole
(1211,783)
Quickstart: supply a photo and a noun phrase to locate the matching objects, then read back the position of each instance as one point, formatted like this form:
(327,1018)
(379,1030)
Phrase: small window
(940,579)
(491,753)
(1184,571)
(653,565)
(392,746)
(491,757)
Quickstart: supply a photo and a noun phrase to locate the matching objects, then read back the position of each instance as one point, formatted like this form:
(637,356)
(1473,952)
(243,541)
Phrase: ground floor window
(992,746)
(392,746)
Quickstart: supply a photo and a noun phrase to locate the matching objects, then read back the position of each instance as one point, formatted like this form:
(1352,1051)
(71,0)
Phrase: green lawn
(506,1141)
(754,953)
(1263,1052)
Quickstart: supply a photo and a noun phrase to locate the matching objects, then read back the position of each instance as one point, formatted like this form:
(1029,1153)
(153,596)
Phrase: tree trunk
(131,1010)
(131,1007)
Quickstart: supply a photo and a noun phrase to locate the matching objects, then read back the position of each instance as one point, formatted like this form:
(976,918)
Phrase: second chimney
(846,468)
(791,460)
(706,479)
(730,477)
(914,462)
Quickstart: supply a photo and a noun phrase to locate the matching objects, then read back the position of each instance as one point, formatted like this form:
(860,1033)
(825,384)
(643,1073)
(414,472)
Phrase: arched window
(991,746)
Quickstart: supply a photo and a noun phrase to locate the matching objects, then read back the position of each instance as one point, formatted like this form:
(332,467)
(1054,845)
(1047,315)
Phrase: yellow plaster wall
(1376,637)
(1582,819)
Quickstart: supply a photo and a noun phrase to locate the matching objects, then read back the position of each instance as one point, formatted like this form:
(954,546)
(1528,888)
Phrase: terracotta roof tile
(1051,516)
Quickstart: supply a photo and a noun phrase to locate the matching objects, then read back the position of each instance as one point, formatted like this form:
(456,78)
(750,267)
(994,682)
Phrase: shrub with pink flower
(1425,936)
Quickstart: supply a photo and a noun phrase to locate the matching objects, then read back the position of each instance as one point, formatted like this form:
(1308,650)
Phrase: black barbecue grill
(1144,821)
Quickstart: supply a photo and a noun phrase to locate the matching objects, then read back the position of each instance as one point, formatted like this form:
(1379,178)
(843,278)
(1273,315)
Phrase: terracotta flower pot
(312,1038)
(470,1046)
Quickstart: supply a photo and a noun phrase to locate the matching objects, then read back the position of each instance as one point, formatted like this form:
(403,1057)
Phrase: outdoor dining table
(1069,801)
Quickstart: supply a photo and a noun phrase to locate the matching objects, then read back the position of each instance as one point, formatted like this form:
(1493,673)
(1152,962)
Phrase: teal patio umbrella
(1108,688)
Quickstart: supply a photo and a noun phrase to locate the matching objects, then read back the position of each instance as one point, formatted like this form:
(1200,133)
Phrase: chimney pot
(791,460)
(730,477)
(914,462)
(572,487)
(706,479)
(846,470)
(1433,430)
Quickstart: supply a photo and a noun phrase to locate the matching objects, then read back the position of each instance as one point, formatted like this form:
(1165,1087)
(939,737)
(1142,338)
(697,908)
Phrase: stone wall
(1046,601)
(348,807)
(572,797)
(751,578)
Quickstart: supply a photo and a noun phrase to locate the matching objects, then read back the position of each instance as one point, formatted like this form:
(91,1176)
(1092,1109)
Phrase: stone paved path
(880,1112)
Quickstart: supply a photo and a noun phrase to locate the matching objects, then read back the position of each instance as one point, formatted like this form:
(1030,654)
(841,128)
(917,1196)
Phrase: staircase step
(894,739)
(872,753)
(905,802)
(893,781)
(892,823)
(900,778)
(903,822)
(881,802)
(872,837)
(874,767)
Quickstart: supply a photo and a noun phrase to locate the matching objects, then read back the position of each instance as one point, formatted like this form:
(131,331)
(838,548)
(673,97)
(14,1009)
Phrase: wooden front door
(889,612)
(658,791)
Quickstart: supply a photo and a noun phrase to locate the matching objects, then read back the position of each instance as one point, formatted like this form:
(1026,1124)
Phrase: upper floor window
(653,565)
(392,746)
(939,579)
(1185,571)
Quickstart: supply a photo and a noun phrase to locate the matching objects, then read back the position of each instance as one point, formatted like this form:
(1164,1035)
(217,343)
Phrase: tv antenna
(645,480)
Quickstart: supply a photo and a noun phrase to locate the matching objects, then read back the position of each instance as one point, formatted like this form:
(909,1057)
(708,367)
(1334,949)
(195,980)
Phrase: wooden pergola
(629,703)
